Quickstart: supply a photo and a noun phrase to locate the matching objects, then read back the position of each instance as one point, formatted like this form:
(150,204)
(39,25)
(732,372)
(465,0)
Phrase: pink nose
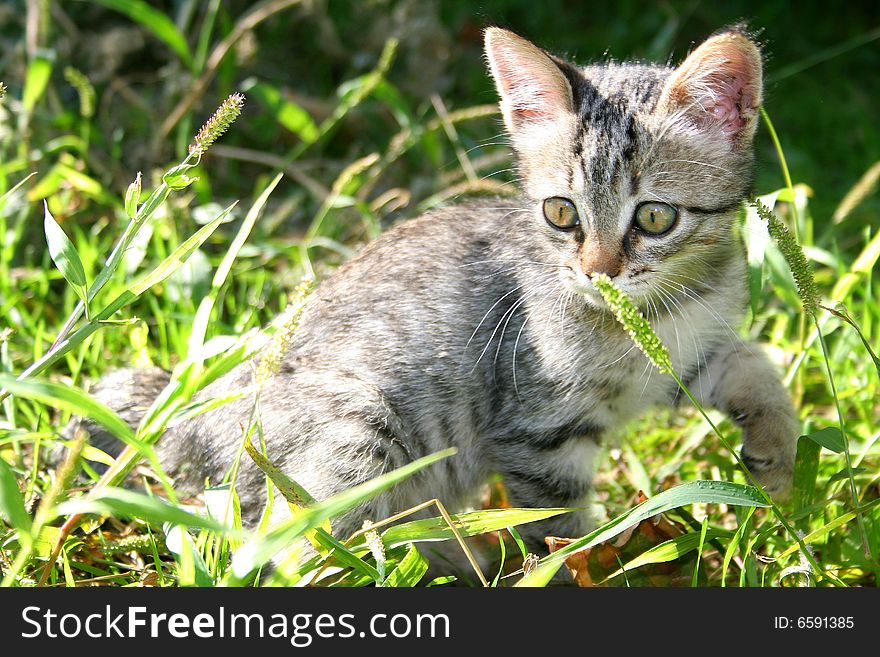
(596,259)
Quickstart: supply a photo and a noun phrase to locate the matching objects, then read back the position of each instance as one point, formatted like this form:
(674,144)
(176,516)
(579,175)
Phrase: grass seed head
(377,547)
(634,322)
(219,123)
(794,256)
(84,88)
(274,352)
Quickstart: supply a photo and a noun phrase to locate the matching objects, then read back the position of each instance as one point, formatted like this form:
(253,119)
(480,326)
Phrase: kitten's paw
(769,448)
(774,475)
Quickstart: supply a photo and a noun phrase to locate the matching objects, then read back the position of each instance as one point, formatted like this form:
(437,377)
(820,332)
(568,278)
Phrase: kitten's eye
(561,213)
(655,218)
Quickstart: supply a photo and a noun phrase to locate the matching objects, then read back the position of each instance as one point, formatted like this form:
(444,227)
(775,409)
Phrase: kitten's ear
(717,89)
(532,88)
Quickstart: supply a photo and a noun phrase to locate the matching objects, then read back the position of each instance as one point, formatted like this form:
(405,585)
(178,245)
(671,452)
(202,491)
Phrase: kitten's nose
(599,259)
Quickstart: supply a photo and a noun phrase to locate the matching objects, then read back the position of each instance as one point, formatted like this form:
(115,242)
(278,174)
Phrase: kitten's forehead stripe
(610,137)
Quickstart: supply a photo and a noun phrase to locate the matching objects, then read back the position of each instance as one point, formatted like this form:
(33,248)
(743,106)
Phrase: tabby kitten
(477,326)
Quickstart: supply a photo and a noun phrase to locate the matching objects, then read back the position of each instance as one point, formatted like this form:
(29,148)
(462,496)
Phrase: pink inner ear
(719,85)
(531,97)
(533,89)
(732,102)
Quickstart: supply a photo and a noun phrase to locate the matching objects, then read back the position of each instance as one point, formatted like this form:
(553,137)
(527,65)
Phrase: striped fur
(476,326)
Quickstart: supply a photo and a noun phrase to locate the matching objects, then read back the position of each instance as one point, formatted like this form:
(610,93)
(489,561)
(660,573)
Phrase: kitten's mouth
(589,293)
(580,284)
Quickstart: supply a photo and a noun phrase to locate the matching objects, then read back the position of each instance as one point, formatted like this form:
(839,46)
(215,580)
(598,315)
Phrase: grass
(169,270)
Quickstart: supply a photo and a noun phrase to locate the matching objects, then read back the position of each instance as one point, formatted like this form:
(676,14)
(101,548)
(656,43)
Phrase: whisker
(535,287)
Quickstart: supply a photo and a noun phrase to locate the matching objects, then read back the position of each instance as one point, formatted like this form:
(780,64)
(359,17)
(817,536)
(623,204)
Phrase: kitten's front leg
(740,381)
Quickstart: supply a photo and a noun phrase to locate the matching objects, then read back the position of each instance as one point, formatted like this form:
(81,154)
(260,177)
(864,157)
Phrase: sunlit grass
(190,292)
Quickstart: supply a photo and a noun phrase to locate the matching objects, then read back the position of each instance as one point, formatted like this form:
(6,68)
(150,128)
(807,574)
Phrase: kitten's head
(633,171)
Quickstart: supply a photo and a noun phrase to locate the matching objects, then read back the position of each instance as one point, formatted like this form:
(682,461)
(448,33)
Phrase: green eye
(655,218)
(561,213)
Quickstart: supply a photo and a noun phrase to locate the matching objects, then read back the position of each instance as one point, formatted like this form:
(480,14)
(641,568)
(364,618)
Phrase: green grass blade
(829,527)
(243,233)
(734,543)
(153,202)
(206,306)
(468,524)
(194,409)
(191,567)
(179,256)
(296,495)
(806,471)
(12,502)
(74,400)
(703,530)
(841,313)
(154,21)
(520,543)
(258,552)
(670,550)
(336,551)
(830,438)
(4,198)
(692,492)
(123,503)
(64,254)
(36,79)
(290,115)
(409,571)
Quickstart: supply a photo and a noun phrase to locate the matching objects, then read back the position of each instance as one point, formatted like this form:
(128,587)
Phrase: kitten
(477,326)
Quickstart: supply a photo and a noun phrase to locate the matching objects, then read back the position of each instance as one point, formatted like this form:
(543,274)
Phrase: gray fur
(476,325)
